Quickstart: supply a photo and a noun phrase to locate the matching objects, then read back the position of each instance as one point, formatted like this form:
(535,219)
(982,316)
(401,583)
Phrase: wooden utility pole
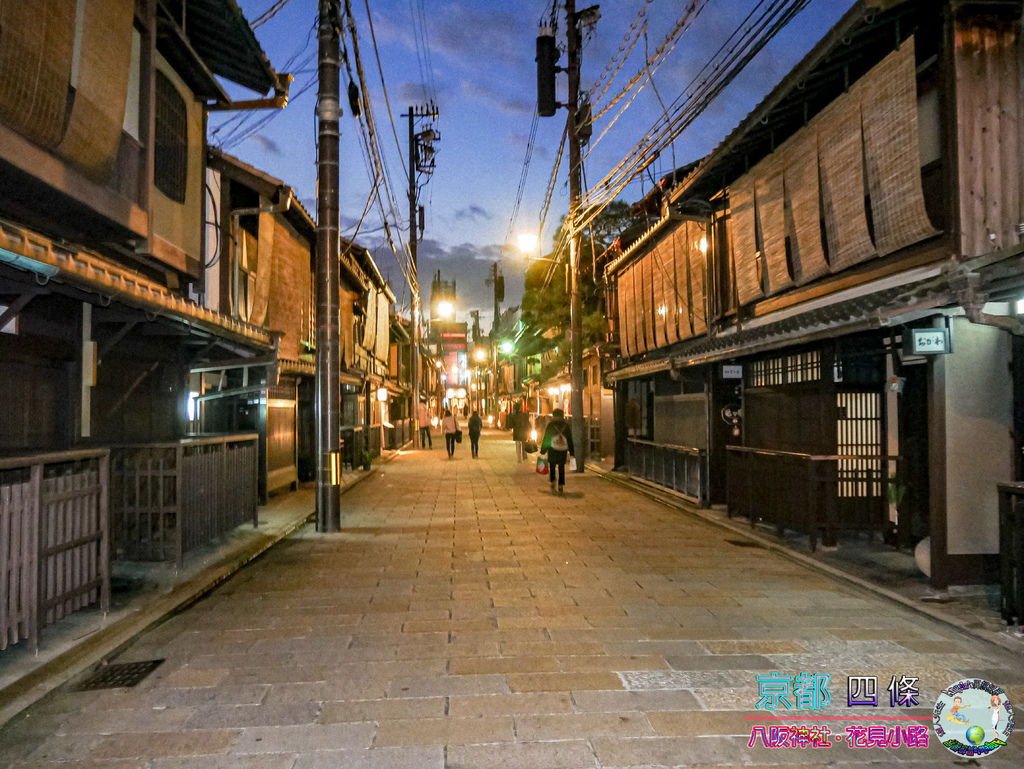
(417,164)
(328,245)
(577,423)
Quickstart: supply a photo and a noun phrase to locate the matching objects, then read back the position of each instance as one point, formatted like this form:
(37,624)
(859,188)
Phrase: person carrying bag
(557,445)
(452,431)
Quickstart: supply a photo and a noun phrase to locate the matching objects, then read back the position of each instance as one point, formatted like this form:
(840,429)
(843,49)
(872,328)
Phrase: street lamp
(445,309)
(527,242)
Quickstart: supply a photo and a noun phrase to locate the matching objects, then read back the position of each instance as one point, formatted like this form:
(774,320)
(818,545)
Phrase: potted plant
(895,490)
(366,458)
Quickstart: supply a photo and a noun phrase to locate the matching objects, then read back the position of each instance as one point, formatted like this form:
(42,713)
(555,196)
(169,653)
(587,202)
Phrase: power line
(523,175)
(748,39)
(268,14)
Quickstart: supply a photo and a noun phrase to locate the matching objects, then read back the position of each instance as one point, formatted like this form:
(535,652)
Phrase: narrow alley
(465,617)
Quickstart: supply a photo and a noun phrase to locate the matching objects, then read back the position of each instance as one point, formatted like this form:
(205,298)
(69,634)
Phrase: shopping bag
(458,436)
(531,447)
(542,465)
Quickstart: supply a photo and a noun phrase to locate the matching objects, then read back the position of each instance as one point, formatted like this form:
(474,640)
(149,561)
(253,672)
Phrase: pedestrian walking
(476,424)
(520,424)
(557,444)
(450,426)
(423,416)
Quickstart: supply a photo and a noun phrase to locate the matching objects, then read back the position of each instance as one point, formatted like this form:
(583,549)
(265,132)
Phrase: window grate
(170,171)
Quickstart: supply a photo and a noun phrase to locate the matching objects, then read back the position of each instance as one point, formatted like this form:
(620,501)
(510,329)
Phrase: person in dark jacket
(520,424)
(476,424)
(557,444)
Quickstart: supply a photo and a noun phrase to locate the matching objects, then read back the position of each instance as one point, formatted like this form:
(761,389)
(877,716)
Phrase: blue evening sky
(475,58)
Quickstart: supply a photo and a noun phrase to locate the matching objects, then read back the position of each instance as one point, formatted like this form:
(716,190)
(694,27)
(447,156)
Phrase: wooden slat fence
(170,498)
(807,493)
(54,540)
(680,468)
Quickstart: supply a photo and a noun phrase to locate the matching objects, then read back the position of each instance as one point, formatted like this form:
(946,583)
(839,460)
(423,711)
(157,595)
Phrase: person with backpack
(557,444)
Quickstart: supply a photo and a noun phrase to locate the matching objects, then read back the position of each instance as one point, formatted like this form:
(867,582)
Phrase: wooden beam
(17,306)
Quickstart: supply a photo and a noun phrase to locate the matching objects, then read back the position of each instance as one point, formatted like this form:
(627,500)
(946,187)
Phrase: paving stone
(561,682)
(381,709)
(374,758)
(442,731)
(567,754)
(464,611)
(195,742)
(305,738)
(643,701)
(589,725)
(448,685)
(510,704)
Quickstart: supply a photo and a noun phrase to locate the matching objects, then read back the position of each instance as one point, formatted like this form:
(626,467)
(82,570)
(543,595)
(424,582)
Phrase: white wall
(979,447)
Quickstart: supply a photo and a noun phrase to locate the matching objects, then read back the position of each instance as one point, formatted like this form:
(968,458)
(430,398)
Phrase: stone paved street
(466,618)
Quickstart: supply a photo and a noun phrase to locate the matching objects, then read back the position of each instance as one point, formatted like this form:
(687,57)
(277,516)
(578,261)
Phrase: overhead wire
(522,177)
(748,39)
(368,123)
(268,14)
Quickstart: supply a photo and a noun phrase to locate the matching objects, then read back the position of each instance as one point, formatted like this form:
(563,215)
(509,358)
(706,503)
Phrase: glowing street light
(480,354)
(527,242)
(445,309)
(507,347)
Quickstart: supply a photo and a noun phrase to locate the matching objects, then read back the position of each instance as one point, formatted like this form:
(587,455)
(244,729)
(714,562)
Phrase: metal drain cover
(744,543)
(120,675)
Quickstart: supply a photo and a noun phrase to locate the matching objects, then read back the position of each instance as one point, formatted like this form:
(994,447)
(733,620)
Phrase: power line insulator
(547,66)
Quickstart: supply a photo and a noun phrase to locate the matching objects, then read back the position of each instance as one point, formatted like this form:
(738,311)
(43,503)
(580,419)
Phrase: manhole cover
(744,543)
(124,674)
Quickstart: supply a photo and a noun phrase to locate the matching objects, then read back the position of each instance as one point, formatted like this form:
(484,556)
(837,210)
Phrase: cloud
(266,144)
(520,140)
(475,89)
(472,213)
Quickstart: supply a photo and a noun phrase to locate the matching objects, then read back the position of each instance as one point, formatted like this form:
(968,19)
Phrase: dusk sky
(475,58)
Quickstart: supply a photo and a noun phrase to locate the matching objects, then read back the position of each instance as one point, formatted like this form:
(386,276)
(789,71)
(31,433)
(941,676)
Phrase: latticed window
(170,172)
(788,369)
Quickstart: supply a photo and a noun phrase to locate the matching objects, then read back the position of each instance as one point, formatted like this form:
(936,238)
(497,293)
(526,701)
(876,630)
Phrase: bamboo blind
(646,301)
(661,289)
(620,290)
(889,97)
(383,340)
(841,159)
(742,230)
(769,190)
(634,275)
(681,252)
(35,66)
(800,160)
(97,114)
(264,269)
(667,256)
(695,232)
(628,303)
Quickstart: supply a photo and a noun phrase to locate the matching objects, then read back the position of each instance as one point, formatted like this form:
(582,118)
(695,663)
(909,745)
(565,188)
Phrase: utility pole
(328,358)
(578,426)
(547,60)
(418,162)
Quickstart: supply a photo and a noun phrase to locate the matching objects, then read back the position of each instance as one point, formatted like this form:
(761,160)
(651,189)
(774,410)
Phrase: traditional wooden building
(103,110)
(824,318)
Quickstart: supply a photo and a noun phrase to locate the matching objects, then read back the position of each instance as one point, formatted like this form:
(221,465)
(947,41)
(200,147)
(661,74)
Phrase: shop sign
(732,371)
(928,341)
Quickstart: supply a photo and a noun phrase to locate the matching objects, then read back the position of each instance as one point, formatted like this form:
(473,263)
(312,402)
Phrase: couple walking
(453,433)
